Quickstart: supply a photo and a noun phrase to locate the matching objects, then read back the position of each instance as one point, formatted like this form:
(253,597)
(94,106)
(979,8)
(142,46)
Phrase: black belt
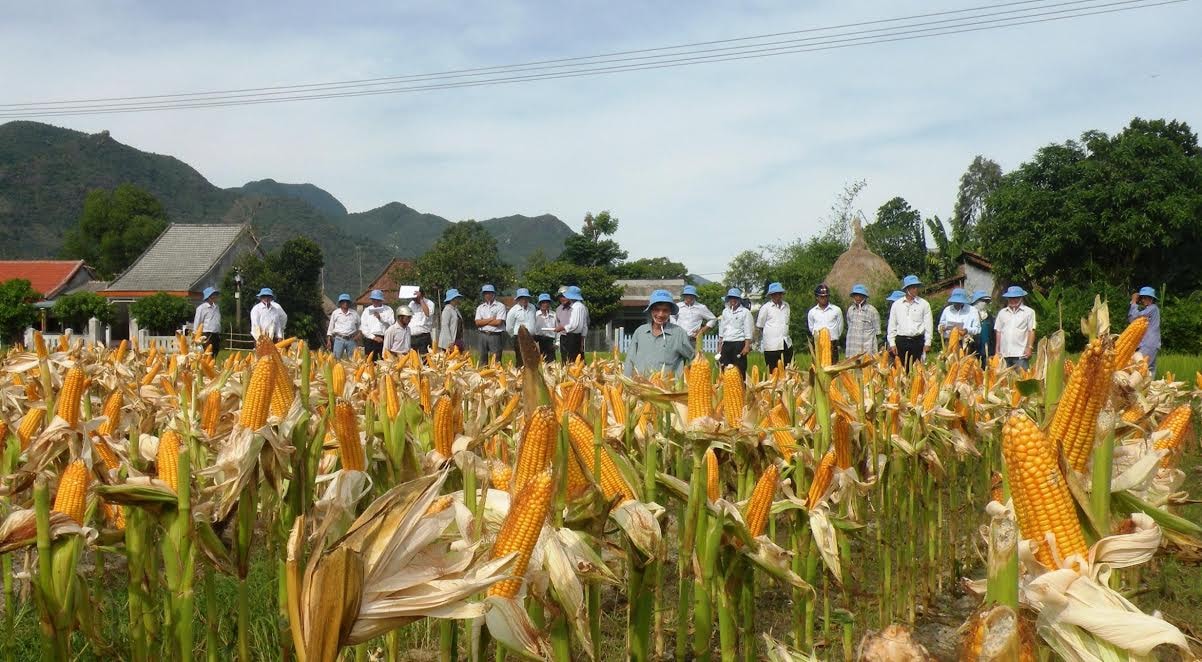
(420,335)
(491,333)
(344,336)
(920,336)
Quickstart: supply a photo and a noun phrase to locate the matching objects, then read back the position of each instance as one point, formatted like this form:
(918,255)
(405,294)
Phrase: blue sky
(697,162)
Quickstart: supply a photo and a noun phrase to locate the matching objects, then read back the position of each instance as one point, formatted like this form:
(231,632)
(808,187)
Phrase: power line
(671,60)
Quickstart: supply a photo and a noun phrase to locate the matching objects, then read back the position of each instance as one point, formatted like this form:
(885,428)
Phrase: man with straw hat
(1143,304)
(658,344)
(910,326)
(343,328)
(734,332)
(1015,329)
(772,323)
(450,323)
(544,325)
(397,339)
(490,322)
(519,315)
(863,323)
(959,315)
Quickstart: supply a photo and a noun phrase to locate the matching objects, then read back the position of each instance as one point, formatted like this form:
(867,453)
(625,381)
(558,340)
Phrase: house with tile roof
(184,260)
(51,278)
(386,283)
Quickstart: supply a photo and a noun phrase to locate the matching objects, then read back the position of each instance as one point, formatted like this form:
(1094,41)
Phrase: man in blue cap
(374,323)
(1015,329)
(544,324)
(734,332)
(692,315)
(959,315)
(208,320)
(772,324)
(490,322)
(910,324)
(571,340)
(863,323)
(267,318)
(519,315)
(980,303)
(343,330)
(1143,304)
(450,326)
(659,344)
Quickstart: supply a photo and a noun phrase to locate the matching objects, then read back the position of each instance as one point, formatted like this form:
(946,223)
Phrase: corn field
(508,513)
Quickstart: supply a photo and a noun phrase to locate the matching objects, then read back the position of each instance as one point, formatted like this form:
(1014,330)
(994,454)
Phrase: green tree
(713,295)
(978,182)
(1125,209)
(74,310)
(601,294)
(293,272)
(651,268)
(115,228)
(161,313)
(838,222)
(897,236)
(593,247)
(464,257)
(749,271)
(800,266)
(17,311)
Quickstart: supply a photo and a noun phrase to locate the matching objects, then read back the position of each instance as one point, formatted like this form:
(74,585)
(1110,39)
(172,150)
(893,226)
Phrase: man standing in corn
(374,323)
(910,324)
(659,344)
(773,324)
(692,315)
(823,315)
(1143,304)
(268,318)
(450,327)
(958,315)
(490,320)
(398,338)
(208,320)
(519,315)
(734,332)
(343,328)
(571,339)
(1015,329)
(863,323)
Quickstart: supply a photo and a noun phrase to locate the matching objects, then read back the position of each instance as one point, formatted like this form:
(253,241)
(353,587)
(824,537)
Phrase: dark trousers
(420,343)
(546,347)
(490,346)
(772,357)
(213,342)
(729,353)
(571,345)
(373,348)
(909,349)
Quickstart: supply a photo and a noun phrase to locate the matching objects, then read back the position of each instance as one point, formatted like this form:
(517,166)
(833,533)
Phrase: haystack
(860,265)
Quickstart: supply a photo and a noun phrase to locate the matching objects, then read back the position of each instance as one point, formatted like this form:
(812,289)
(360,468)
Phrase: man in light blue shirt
(1143,304)
(659,344)
(521,314)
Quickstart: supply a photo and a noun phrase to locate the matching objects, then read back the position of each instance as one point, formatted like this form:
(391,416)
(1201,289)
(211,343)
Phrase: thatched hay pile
(860,265)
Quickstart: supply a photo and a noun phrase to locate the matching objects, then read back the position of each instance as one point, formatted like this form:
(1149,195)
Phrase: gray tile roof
(179,258)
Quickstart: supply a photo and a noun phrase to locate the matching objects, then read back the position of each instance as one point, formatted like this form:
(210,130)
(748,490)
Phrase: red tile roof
(384,282)
(47,277)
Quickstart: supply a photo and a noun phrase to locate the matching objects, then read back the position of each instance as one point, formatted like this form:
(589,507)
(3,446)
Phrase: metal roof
(179,258)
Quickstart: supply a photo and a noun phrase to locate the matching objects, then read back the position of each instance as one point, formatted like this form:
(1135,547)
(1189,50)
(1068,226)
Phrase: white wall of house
(976,278)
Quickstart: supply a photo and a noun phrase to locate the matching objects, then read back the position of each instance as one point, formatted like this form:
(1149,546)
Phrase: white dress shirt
(544,323)
(1012,326)
(692,317)
(773,323)
(208,318)
(375,320)
(421,322)
(520,316)
(578,322)
(494,310)
(268,320)
(830,318)
(966,317)
(343,324)
(735,324)
(910,318)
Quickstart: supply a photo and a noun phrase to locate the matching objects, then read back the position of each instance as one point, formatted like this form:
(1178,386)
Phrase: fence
(709,343)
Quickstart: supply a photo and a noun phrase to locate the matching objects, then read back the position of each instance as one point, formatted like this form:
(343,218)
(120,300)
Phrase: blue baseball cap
(859,289)
(734,293)
(521,293)
(1014,292)
(573,293)
(688,290)
(777,288)
(344,297)
(1144,291)
(544,297)
(451,294)
(957,296)
(488,288)
(376,295)
(210,291)
(981,295)
(910,281)
(895,295)
(266,292)
(661,296)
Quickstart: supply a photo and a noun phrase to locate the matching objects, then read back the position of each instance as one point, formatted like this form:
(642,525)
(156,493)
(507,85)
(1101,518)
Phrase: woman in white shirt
(958,314)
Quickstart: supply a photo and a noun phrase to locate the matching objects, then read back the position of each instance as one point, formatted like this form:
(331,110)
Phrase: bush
(162,313)
(16,308)
(74,310)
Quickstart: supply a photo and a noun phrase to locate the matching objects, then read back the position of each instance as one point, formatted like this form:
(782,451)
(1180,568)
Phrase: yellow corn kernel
(1042,503)
(444,426)
(712,485)
(699,380)
(119,355)
(338,379)
(256,399)
(537,447)
(501,476)
(520,531)
(346,429)
(112,413)
(953,341)
(1128,342)
(107,455)
(31,424)
(822,347)
(613,485)
(785,443)
(39,345)
(152,372)
(72,491)
(423,392)
(822,479)
(917,386)
(440,504)
(70,395)
(1075,422)
(760,504)
(575,397)
(166,461)
(392,401)
(842,445)
(732,396)
(1176,423)
(211,413)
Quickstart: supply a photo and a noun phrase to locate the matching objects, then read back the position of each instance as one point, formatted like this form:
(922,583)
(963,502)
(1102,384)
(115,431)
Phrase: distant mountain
(46,171)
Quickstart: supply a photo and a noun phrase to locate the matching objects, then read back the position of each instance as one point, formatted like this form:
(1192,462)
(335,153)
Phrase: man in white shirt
(521,314)
(374,321)
(910,324)
(490,322)
(773,324)
(825,315)
(959,315)
(734,332)
(544,327)
(267,318)
(343,329)
(1015,329)
(571,342)
(208,320)
(397,337)
(692,315)
(422,322)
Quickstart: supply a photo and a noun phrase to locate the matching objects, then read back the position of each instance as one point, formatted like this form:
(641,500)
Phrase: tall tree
(601,294)
(1124,208)
(838,222)
(16,308)
(464,257)
(594,247)
(977,183)
(115,228)
(651,268)
(748,271)
(897,236)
